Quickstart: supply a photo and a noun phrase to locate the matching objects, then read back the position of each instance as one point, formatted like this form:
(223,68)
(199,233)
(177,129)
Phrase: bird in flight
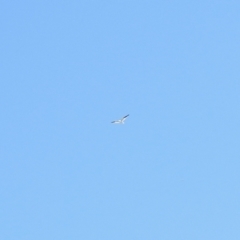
(121,120)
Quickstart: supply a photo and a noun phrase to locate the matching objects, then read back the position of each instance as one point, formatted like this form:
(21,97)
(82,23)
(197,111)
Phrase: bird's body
(121,120)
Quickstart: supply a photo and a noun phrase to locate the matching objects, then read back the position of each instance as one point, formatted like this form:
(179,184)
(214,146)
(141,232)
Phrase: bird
(120,120)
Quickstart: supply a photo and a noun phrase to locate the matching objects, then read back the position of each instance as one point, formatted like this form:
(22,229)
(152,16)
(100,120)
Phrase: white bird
(121,120)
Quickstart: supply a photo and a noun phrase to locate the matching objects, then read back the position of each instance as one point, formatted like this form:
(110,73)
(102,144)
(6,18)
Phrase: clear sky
(68,68)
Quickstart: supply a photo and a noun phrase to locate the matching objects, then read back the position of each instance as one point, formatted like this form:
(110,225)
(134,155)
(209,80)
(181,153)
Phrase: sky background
(68,68)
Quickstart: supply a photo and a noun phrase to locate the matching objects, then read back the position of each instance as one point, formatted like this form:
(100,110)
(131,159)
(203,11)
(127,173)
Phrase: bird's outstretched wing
(117,121)
(125,117)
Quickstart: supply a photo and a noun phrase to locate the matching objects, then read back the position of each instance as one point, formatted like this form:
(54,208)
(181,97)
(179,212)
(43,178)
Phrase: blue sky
(68,68)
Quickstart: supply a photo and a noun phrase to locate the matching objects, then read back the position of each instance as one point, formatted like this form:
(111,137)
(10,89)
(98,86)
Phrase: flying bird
(121,120)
